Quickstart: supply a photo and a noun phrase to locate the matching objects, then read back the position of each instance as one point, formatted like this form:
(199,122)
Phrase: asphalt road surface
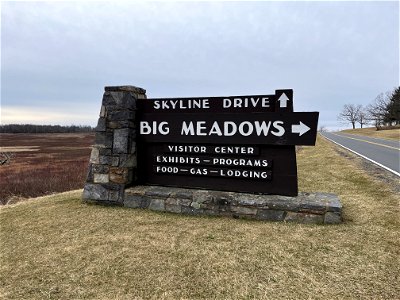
(385,153)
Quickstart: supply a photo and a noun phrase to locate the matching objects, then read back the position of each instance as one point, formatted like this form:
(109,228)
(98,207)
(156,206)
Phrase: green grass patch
(57,247)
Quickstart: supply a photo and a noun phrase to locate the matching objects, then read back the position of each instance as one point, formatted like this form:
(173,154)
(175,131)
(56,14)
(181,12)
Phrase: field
(391,134)
(41,164)
(57,247)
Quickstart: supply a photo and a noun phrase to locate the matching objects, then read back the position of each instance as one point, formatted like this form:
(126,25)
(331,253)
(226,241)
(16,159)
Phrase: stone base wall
(317,208)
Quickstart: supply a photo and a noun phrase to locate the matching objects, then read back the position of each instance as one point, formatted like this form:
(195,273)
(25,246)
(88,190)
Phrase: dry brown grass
(42,164)
(60,248)
(391,134)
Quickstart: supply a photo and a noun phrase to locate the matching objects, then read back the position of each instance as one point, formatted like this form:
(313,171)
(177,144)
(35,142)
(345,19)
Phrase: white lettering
(249,129)
(227,103)
(215,129)
(187,129)
(201,127)
(262,128)
(278,125)
(265,102)
(145,127)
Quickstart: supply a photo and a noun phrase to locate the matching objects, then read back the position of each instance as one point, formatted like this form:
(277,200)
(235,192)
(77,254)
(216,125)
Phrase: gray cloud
(58,56)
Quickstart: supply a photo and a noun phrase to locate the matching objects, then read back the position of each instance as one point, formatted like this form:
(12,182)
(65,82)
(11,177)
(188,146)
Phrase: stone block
(127,160)
(200,196)
(115,161)
(94,156)
(191,210)
(125,88)
(333,204)
(100,178)
(312,205)
(101,125)
(104,139)
(221,198)
(119,100)
(195,205)
(105,160)
(121,115)
(283,203)
(136,201)
(121,140)
(129,101)
(121,124)
(95,192)
(133,201)
(157,204)
(304,218)
(103,113)
(172,201)
(108,100)
(89,175)
(104,151)
(133,146)
(271,215)
(158,191)
(183,193)
(116,192)
(101,169)
(184,202)
(173,208)
(332,218)
(241,210)
(119,175)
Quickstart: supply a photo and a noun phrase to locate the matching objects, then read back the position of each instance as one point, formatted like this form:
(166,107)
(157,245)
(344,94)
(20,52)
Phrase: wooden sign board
(235,143)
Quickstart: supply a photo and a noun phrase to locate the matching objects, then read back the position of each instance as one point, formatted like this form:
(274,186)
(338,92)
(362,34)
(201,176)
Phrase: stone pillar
(113,161)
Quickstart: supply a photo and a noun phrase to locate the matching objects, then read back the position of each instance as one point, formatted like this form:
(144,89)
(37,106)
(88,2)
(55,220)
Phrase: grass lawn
(391,134)
(57,247)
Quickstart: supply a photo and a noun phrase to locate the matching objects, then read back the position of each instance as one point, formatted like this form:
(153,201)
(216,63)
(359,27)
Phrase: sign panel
(228,128)
(235,143)
(252,103)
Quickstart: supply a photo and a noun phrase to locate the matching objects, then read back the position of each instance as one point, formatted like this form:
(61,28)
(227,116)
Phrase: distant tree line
(384,111)
(31,128)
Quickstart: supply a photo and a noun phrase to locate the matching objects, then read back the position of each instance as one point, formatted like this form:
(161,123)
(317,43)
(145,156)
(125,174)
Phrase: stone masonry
(112,165)
(112,177)
(315,208)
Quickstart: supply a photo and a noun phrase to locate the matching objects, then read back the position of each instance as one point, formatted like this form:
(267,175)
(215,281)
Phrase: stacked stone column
(113,161)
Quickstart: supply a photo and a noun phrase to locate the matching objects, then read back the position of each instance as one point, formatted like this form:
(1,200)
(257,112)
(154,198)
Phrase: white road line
(382,166)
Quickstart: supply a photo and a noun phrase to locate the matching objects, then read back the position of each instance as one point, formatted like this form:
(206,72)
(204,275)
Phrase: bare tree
(377,110)
(322,128)
(362,117)
(349,114)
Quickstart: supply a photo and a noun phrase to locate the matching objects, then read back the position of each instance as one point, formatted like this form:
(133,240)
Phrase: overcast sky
(56,58)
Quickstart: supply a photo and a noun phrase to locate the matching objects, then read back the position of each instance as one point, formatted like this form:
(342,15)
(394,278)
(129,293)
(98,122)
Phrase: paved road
(383,152)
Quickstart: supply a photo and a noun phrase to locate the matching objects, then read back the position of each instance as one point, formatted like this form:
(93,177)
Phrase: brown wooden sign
(235,143)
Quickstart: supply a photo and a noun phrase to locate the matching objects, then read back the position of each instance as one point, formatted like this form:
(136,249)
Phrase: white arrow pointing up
(283,99)
(300,128)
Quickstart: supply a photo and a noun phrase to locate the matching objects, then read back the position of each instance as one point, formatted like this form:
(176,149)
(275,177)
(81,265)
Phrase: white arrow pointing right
(300,128)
